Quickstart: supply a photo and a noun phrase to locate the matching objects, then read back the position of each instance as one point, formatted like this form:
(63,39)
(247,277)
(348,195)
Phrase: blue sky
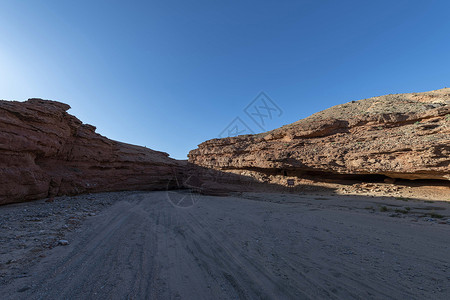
(171,74)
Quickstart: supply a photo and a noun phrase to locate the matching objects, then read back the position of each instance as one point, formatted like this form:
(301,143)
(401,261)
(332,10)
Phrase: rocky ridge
(399,136)
(46,152)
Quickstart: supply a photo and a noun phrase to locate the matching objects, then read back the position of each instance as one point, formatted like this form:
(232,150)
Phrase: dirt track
(255,246)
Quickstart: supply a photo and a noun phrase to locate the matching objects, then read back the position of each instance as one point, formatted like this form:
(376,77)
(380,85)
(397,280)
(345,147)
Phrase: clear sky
(171,74)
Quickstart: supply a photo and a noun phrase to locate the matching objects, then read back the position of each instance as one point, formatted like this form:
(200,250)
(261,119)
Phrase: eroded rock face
(400,136)
(45,152)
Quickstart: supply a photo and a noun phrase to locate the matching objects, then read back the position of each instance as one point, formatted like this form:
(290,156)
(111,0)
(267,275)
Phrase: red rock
(46,152)
(400,136)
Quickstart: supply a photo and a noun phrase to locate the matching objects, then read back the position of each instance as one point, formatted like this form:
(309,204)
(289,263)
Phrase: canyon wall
(46,152)
(399,136)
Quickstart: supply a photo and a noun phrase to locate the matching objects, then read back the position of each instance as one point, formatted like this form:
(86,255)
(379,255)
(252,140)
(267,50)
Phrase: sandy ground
(177,245)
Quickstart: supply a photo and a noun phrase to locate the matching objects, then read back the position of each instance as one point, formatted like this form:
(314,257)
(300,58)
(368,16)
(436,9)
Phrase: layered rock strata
(399,136)
(45,152)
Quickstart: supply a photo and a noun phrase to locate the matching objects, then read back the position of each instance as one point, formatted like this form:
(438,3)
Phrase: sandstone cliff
(400,136)
(45,152)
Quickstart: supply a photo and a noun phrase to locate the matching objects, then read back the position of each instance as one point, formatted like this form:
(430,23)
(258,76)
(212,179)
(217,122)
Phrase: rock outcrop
(399,136)
(45,152)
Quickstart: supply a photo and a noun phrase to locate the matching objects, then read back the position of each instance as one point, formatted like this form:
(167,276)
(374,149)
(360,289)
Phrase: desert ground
(248,245)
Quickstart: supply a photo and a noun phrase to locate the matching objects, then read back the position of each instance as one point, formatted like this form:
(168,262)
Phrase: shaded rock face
(400,136)
(45,152)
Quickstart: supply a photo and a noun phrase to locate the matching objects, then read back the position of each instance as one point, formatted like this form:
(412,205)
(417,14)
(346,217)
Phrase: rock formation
(399,136)
(45,152)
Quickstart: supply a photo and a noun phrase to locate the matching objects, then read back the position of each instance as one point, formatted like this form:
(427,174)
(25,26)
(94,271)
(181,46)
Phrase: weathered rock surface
(46,152)
(400,136)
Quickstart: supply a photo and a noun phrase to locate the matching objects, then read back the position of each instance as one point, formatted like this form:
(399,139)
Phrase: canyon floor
(248,245)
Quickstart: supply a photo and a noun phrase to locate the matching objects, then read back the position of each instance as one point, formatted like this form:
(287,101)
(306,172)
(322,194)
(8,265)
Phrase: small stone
(23,289)
(63,242)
